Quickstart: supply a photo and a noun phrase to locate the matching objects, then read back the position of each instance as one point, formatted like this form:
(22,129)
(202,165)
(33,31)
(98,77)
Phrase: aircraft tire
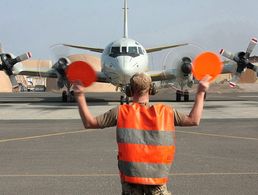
(178,96)
(64,96)
(186,96)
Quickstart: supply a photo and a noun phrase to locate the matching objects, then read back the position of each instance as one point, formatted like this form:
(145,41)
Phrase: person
(145,134)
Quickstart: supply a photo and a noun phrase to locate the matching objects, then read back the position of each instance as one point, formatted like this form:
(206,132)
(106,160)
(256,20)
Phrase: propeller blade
(13,81)
(250,47)
(252,67)
(59,51)
(227,54)
(234,80)
(21,58)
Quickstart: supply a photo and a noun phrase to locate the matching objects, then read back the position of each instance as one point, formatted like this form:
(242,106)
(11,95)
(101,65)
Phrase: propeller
(8,62)
(60,54)
(180,60)
(60,67)
(242,60)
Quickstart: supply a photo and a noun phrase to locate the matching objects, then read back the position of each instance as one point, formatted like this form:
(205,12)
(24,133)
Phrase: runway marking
(117,175)
(217,135)
(248,96)
(46,135)
(90,130)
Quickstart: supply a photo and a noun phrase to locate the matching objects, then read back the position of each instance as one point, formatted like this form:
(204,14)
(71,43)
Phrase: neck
(141,99)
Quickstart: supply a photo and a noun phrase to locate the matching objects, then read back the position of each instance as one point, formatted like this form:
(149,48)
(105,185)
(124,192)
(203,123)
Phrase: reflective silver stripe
(149,170)
(147,137)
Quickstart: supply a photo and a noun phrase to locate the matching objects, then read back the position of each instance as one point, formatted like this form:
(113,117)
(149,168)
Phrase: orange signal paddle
(81,71)
(207,63)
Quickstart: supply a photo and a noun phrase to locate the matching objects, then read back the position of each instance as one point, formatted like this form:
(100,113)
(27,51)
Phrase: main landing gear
(68,96)
(124,99)
(180,93)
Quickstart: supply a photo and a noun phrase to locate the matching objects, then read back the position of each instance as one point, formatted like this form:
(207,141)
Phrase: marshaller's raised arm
(194,117)
(89,121)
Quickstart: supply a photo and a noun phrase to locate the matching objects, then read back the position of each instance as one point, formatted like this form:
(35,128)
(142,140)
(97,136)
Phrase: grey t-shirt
(109,118)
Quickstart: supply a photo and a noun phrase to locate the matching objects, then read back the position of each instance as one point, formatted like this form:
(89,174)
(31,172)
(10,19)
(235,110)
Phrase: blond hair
(140,83)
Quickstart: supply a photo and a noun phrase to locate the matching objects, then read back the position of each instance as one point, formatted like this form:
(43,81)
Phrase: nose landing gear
(180,93)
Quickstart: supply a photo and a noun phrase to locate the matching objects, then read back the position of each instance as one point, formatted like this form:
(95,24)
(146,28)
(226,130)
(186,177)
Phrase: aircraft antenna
(125,19)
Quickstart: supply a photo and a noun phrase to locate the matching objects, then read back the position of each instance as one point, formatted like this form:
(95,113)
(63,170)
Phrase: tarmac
(44,148)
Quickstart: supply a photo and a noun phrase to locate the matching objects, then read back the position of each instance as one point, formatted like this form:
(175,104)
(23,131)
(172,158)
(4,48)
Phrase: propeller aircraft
(120,60)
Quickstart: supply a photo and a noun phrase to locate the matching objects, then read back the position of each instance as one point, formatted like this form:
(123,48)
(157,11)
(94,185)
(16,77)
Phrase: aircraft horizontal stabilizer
(99,50)
(155,49)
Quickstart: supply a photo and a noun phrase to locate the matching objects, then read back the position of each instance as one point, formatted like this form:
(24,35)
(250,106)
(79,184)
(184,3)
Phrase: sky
(36,25)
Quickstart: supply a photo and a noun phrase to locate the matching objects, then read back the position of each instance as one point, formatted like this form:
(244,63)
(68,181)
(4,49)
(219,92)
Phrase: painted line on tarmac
(117,175)
(218,135)
(248,96)
(90,130)
(60,175)
(46,135)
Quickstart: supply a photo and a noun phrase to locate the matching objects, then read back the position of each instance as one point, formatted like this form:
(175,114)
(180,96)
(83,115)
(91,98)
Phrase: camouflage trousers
(138,189)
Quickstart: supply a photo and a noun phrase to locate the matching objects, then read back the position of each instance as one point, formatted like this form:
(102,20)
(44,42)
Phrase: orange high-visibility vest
(146,143)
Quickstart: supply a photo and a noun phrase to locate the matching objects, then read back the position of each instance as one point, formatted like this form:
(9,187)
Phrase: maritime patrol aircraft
(119,61)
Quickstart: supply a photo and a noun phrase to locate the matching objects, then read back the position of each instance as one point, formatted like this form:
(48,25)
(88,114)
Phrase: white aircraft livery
(120,60)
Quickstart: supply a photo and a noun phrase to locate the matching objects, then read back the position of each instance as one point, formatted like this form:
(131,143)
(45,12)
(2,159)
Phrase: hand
(204,84)
(78,88)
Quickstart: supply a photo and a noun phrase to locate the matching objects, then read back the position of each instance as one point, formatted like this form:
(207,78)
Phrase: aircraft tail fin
(125,19)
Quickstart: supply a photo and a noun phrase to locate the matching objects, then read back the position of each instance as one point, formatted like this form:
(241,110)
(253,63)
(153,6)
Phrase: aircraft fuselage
(123,58)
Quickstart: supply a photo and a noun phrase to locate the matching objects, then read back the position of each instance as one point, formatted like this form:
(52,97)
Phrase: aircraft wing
(154,49)
(169,74)
(21,69)
(35,70)
(99,50)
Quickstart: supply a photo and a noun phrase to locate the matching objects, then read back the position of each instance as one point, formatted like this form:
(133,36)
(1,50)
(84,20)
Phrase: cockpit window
(130,51)
(124,50)
(140,50)
(115,50)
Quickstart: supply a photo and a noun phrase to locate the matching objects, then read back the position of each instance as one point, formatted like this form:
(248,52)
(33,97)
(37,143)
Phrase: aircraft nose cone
(126,69)
(124,61)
